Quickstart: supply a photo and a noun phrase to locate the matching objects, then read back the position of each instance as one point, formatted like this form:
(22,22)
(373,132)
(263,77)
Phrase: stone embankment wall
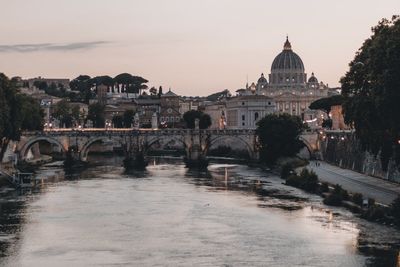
(344,150)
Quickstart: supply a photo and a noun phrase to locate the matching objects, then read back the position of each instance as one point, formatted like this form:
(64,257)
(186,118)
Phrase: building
(288,85)
(63,82)
(146,107)
(170,115)
(217,112)
(336,115)
(243,112)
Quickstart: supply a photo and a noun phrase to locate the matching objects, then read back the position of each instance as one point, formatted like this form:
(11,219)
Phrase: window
(242,103)
(256,116)
(243,117)
(269,103)
(242,123)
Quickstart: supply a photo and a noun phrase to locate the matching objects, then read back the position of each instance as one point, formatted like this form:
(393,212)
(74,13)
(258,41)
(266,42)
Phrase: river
(232,215)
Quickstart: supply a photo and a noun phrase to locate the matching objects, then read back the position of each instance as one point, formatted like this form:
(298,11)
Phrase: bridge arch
(85,148)
(310,148)
(23,151)
(164,140)
(232,138)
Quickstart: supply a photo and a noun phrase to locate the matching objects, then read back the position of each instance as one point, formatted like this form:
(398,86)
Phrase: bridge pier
(134,154)
(195,157)
(73,159)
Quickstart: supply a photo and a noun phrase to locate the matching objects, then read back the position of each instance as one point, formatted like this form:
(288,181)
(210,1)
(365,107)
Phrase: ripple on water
(167,216)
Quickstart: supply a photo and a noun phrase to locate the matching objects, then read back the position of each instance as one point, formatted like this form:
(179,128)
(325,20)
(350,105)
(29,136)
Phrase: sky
(194,47)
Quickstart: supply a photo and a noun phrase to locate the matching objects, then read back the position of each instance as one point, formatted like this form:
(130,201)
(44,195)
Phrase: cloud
(26,48)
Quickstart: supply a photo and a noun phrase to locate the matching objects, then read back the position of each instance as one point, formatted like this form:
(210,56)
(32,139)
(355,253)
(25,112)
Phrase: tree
(105,80)
(118,121)
(279,137)
(41,85)
(62,111)
(371,91)
(17,113)
(96,115)
(326,103)
(83,84)
(190,116)
(153,91)
(219,95)
(128,118)
(160,91)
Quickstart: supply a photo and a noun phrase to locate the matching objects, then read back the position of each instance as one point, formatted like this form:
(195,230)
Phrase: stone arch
(84,150)
(157,139)
(27,145)
(308,146)
(248,146)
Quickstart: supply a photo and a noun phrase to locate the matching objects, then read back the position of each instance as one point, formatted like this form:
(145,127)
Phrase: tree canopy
(96,115)
(219,95)
(279,136)
(371,88)
(326,103)
(18,112)
(190,116)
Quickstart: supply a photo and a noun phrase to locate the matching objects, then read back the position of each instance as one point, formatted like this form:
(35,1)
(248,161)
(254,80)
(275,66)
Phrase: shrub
(357,198)
(293,180)
(338,190)
(333,200)
(371,202)
(395,210)
(375,213)
(307,180)
(286,171)
(324,188)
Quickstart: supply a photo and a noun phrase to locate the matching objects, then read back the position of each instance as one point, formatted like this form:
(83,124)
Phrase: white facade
(243,112)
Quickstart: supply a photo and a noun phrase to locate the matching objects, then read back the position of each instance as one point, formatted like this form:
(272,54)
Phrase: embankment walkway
(382,191)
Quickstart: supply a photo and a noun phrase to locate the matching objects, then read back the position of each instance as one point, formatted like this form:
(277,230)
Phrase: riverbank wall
(344,150)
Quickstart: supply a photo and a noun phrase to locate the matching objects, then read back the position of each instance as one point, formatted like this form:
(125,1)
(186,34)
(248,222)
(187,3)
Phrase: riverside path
(383,191)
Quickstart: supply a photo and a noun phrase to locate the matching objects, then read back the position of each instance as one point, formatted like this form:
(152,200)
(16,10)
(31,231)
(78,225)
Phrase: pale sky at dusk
(196,47)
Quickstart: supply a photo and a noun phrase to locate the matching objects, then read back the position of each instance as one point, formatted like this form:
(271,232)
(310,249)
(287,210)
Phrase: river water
(232,215)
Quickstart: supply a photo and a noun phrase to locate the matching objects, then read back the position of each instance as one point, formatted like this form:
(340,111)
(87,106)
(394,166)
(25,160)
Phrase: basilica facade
(289,87)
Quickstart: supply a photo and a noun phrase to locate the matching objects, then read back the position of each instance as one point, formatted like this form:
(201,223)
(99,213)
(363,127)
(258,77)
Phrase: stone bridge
(82,140)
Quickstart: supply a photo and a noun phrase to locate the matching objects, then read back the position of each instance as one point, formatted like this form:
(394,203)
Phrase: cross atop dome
(287,45)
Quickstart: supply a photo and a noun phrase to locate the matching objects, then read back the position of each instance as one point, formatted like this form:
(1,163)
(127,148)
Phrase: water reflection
(231,215)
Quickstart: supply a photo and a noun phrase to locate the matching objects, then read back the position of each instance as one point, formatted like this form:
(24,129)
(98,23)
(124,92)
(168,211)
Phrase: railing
(18,179)
(125,131)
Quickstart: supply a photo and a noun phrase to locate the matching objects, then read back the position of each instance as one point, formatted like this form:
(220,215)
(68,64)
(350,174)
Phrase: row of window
(170,119)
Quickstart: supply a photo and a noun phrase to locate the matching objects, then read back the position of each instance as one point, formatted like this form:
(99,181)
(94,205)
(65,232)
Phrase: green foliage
(131,84)
(160,92)
(219,95)
(17,113)
(395,210)
(307,180)
(337,196)
(324,188)
(333,200)
(371,91)
(118,121)
(357,198)
(128,118)
(279,137)
(375,213)
(62,111)
(96,115)
(326,103)
(286,171)
(190,116)
(83,84)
